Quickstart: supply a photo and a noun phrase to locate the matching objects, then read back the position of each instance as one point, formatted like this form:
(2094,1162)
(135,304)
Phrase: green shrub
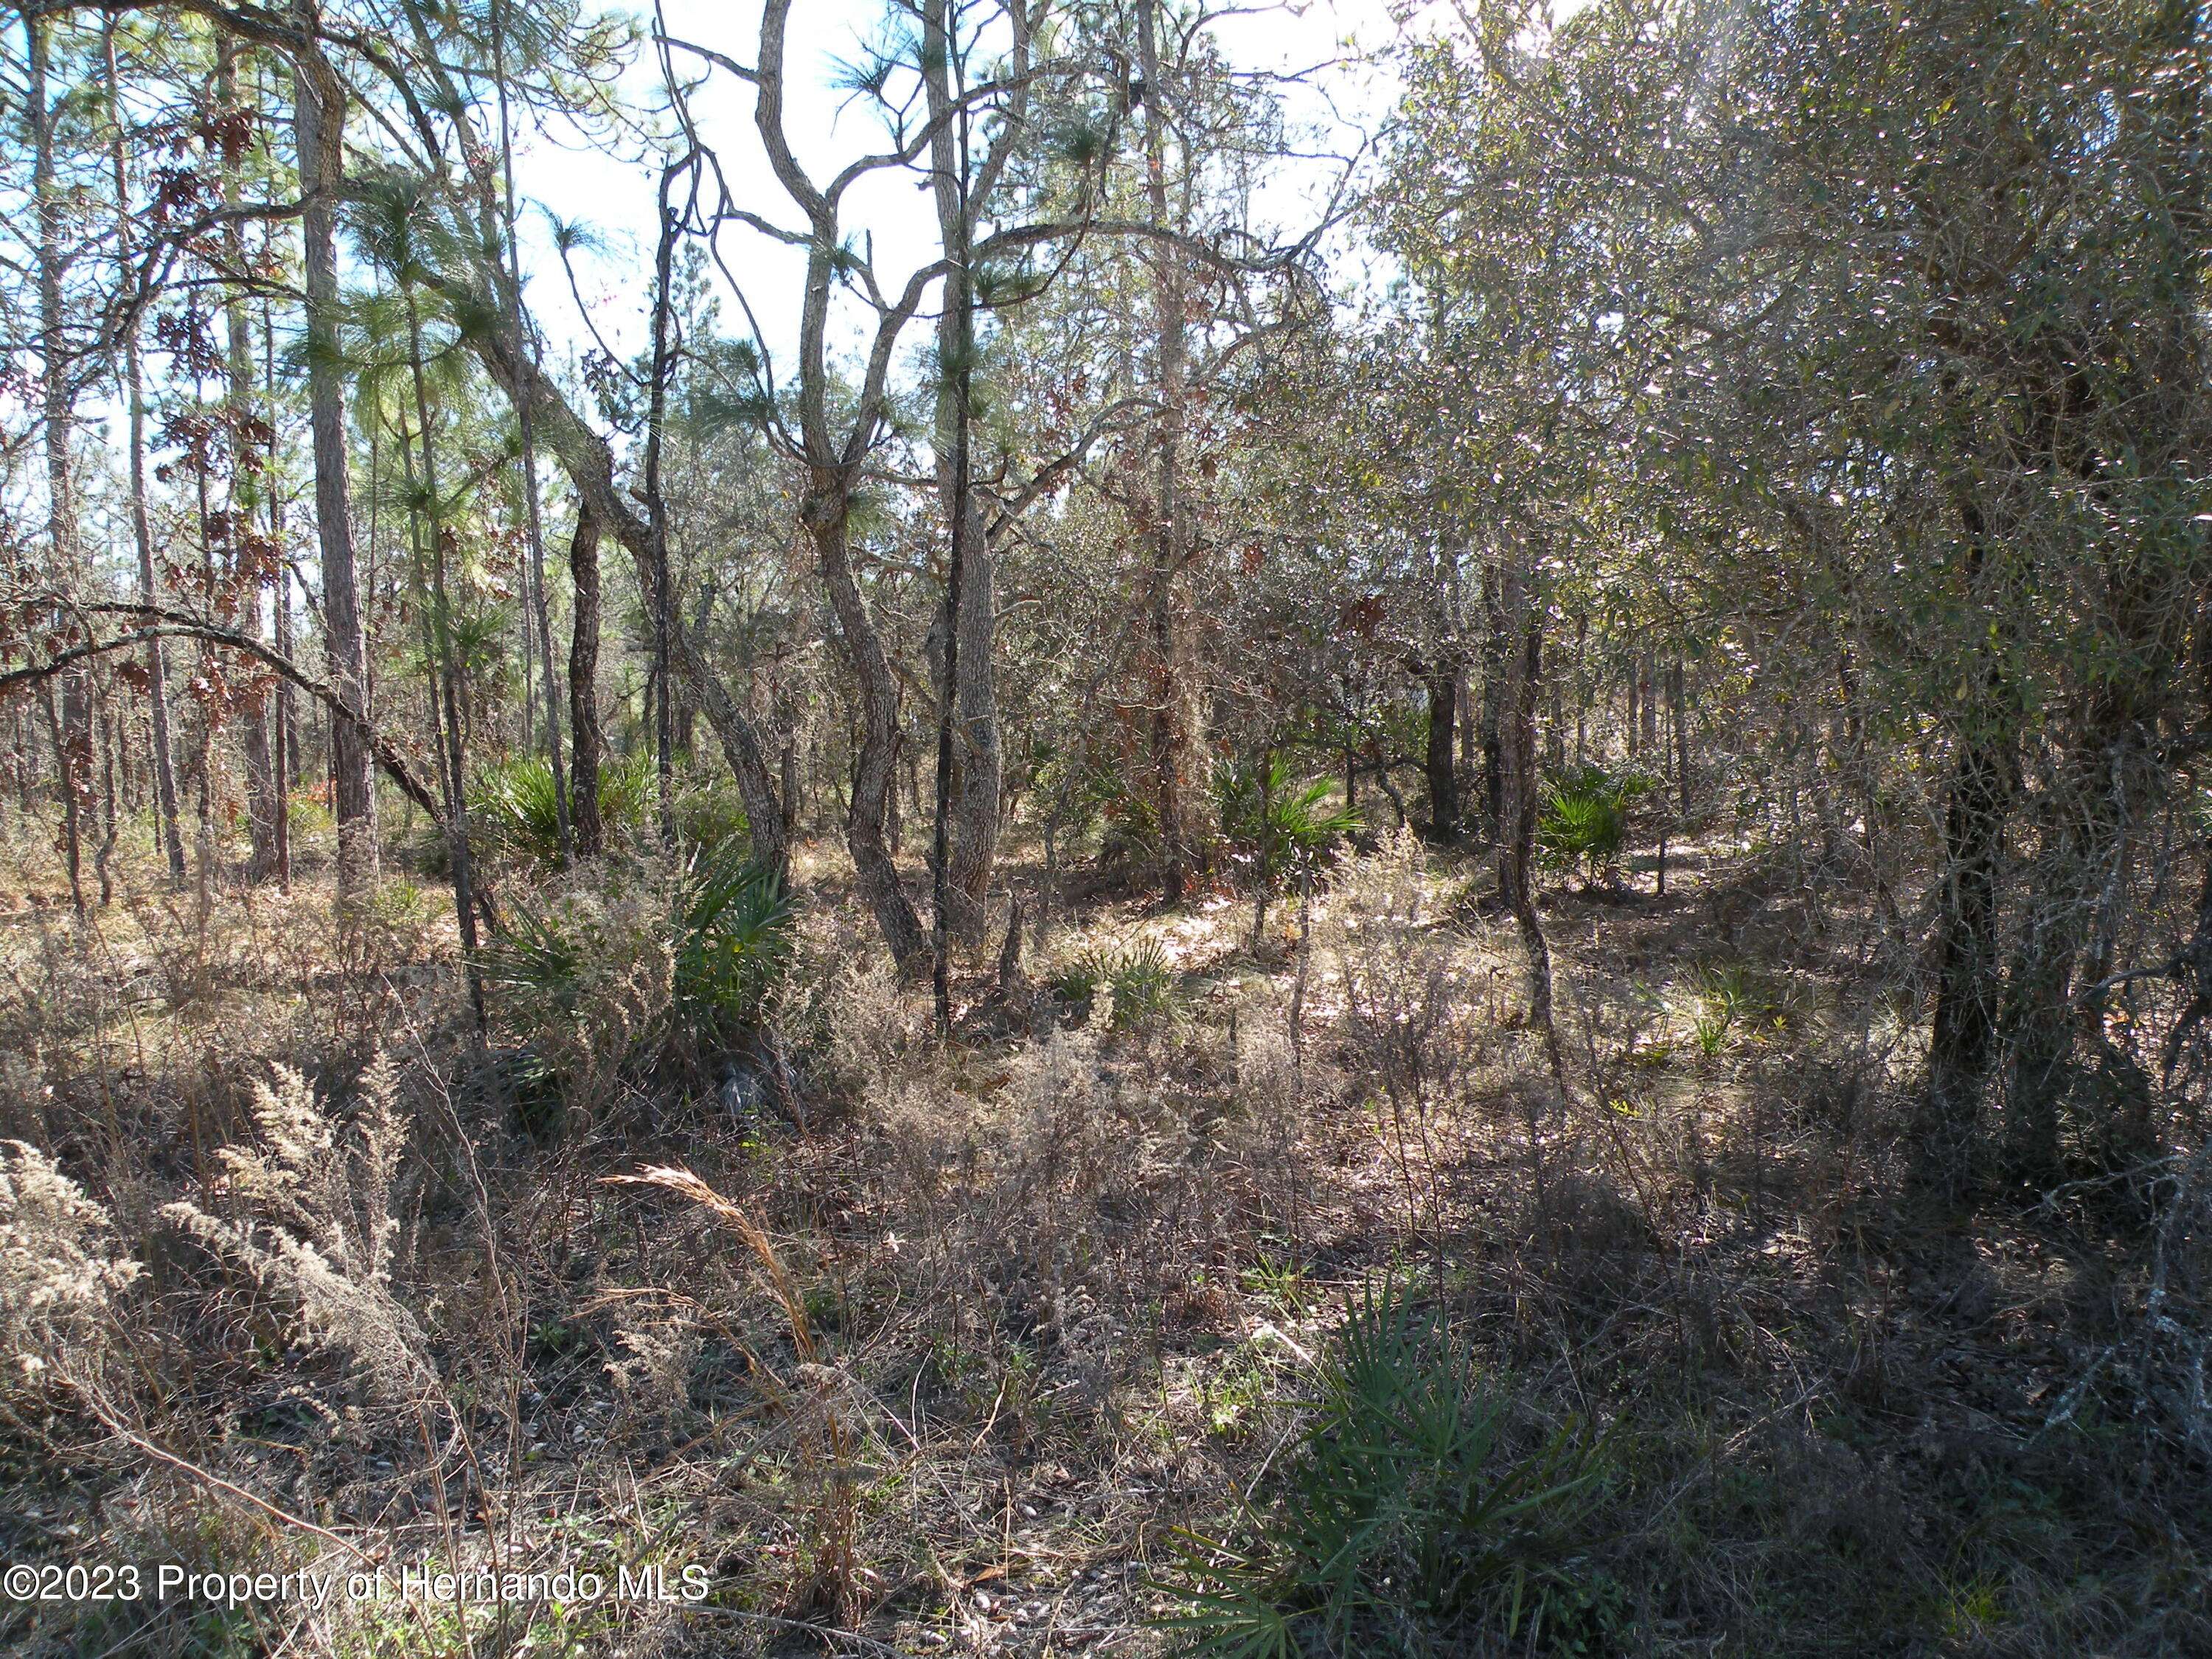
(1402,1523)
(629,786)
(709,813)
(644,964)
(1734,999)
(1585,821)
(397,905)
(513,815)
(1128,824)
(2199,809)
(1271,820)
(1081,789)
(512,812)
(733,939)
(309,812)
(1139,977)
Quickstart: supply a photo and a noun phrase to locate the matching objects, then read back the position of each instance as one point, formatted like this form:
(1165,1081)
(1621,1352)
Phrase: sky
(611,190)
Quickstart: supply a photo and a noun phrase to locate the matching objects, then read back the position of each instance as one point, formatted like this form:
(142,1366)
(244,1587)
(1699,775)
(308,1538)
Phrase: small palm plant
(1585,820)
(646,967)
(1139,978)
(1733,1002)
(513,812)
(1276,825)
(734,935)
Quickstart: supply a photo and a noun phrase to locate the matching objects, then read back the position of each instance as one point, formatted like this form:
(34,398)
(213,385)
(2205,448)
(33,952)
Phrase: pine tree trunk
(65,770)
(103,858)
(282,710)
(585,457)
(1442,685)
(262,803)
(319,128)
(1470,724)
(1495,653)
(167,832)
(1678,700)
(589,744)
(451,695)
(660,595)
(1516,840)
(1963,1045)
(1172,742)
(977,765)
(540,613)
(72,731)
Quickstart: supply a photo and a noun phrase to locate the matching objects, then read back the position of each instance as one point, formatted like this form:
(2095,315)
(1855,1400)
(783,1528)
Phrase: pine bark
(164,764)
(825,514)
(977,765)
(71,728)
(319,128)
(1171,740)
(1963,1045)
(263,802)
(1516,840)
(1443,686)
(588,742)
(540,610)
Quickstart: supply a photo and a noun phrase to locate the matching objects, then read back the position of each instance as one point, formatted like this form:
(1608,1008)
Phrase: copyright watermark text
(423,1582)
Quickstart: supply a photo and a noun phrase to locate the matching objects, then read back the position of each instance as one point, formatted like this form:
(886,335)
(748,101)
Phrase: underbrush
(1403,1520)
(514,819)
(1586,817)
(651,968)
(516,815)
(1199,1299)
(1133,982)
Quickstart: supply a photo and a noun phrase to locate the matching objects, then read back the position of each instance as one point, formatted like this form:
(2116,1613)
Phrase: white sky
(613,194)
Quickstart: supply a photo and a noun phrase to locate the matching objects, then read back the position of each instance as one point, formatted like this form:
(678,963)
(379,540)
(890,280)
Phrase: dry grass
(942,1369)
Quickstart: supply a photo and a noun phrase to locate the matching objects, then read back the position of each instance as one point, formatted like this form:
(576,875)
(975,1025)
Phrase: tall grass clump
(1405,1520)
(1733,1002)
(1414,992)
(61,1277)
(839,1006)
(828,1405)
(309,1214)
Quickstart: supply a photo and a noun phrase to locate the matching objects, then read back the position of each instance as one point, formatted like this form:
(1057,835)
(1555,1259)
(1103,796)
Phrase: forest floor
(967,1364)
